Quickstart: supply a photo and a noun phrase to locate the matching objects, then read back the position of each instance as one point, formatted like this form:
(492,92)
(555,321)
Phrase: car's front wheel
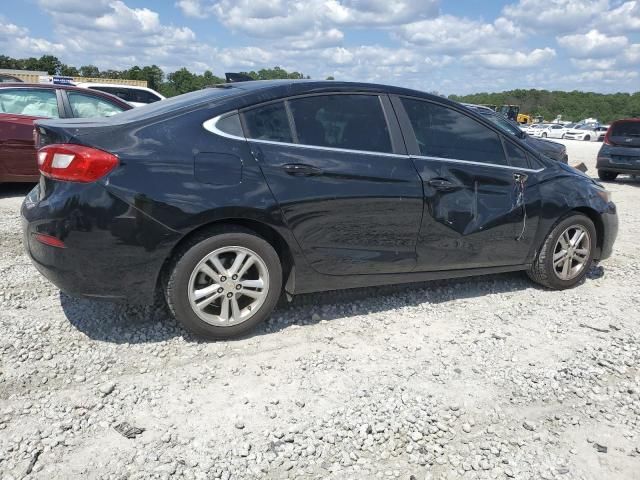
(567,253)
(607,176)
(224,282)
(587,138)
(544,135)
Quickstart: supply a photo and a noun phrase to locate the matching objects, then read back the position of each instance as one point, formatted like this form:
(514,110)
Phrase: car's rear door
(476,201)
(348,191)
(19,108)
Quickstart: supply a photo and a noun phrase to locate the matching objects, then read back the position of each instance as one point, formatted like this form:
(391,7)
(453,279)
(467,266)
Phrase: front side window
(354,122)
(268,122)
(87,106)
(445,133)
(33,102)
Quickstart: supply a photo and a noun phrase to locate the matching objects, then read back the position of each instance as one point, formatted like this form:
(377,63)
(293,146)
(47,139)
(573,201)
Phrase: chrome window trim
(329,149)
(210,125)
(469,162)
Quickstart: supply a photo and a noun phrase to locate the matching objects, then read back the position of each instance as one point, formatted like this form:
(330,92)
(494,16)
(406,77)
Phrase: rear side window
(129,94)
(445,133)
(268,122)
(517,156)
(26,101)
(86,106)
(354,122)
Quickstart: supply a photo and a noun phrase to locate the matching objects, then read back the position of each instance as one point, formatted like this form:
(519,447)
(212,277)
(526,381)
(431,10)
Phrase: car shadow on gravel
(623,180)
(10,190)
(120,323)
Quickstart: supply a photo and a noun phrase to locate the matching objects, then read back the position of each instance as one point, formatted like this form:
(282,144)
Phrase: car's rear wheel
(223,283)
(607,176)
(544,135)
(566,255)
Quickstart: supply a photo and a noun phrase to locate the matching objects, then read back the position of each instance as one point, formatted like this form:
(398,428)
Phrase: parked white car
(588,133)
(556,130)
(135,96)
(535,130)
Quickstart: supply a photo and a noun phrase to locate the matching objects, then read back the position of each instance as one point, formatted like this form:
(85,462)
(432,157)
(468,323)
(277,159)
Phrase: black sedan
(225,198)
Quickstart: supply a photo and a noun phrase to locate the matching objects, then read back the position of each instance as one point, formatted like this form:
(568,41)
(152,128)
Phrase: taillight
(607,140)
(75,163)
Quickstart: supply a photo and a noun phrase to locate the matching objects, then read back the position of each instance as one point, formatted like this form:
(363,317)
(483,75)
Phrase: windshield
(502,123)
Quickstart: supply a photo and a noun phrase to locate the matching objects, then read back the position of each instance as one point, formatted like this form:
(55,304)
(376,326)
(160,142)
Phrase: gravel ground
(483,378)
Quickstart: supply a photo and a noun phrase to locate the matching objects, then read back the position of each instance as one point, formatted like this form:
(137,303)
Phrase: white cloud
(512,60)
(592,44)
(600,76)
(594,63)
(113,35)
(553,44)
(625,18)
(192,8)
(454,34)
(10,30)
(631,54)
(378,12)
(18,40)
(555,15)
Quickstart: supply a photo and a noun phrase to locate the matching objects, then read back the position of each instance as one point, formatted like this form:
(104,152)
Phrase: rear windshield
(625,129)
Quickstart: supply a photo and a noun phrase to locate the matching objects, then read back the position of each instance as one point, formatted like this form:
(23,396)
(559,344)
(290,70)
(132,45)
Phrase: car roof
(116,85)
(51,86)
(236,95)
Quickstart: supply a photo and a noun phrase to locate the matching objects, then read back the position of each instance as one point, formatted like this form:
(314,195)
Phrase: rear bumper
(112,251)
(606,163)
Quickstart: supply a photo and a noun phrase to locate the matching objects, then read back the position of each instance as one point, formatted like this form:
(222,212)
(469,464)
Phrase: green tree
(89,71)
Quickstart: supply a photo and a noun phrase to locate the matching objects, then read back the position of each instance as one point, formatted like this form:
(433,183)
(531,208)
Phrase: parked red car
(23,103)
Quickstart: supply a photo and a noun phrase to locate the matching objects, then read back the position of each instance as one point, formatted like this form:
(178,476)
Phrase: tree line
(571,105)
(173,83)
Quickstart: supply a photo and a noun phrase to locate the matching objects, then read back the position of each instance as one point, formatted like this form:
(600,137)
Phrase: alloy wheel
(572,252)
(228,286)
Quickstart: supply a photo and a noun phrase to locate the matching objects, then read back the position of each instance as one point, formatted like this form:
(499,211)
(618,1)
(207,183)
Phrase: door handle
(442,184)
(520,177)
(301,170)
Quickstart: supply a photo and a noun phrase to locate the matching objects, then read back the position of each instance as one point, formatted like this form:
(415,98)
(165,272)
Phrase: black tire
(183,263)
(587,138)
(544,135)
(542,270)
(607,176)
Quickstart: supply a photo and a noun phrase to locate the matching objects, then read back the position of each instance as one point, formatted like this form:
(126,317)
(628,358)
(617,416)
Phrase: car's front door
(337,166)
(475,200)
(555,131)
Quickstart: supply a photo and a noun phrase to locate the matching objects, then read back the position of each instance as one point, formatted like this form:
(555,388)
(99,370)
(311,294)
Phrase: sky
(447,46)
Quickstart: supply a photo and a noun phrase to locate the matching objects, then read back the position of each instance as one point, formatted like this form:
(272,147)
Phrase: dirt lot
(483,378)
